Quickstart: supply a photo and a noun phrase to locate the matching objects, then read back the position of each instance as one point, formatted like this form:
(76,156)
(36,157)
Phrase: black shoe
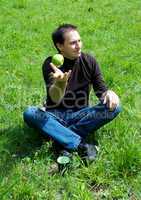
(88,151)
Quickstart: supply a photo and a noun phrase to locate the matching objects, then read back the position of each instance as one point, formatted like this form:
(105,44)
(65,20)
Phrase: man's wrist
(60,84)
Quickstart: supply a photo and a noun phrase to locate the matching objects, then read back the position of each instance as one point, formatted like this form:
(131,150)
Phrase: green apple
(58,60)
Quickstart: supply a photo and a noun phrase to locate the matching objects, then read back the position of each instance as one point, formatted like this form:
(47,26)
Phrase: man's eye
(73,43)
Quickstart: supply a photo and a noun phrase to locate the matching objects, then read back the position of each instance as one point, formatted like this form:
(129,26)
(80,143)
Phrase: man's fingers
(51,74)
(105,100)
(65,74)
(110,104)
(53,67)
(69,73)
(109,100)
(113,102)
(58,74)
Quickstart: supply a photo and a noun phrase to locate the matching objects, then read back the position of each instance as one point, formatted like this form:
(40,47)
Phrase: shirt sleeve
(46,69)
(98,82)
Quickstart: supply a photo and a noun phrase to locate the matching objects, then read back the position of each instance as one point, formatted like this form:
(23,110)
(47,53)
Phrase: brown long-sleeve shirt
(85,72)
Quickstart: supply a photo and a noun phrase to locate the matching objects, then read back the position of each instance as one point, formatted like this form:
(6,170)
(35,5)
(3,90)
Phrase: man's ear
(59,46)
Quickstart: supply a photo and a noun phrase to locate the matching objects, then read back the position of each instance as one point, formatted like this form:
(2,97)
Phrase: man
(68,118)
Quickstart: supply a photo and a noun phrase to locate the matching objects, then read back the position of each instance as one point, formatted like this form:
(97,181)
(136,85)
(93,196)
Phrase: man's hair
(58,34)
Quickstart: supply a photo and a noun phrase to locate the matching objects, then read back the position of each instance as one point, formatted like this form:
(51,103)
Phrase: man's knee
(29,113)
(116,111)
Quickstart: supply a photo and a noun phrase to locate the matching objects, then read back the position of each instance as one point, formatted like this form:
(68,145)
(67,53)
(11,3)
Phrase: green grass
(110,30)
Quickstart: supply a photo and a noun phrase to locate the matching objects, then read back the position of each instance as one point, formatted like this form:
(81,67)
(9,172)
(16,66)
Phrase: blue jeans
(69,126)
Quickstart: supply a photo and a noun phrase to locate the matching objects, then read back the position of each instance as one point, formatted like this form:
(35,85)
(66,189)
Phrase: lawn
(111,31)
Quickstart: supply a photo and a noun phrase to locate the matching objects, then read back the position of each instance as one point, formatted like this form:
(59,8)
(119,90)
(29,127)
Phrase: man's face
(72,45)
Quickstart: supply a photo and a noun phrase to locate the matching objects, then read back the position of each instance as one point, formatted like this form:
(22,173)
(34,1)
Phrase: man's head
(67,41)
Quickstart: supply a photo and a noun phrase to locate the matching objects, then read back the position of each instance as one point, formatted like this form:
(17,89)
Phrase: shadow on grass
(21,141)
(16,143)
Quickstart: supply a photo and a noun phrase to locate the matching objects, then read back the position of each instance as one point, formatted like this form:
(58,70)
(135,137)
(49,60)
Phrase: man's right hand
(58,75)
(57,90)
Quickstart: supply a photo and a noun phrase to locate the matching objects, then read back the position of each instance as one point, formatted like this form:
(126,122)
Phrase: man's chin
(78,55)
(74,56)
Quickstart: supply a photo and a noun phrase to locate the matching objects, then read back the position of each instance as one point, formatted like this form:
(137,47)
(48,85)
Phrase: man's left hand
(111,99)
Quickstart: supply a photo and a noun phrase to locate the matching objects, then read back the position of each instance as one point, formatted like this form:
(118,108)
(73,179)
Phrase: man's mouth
(78,51)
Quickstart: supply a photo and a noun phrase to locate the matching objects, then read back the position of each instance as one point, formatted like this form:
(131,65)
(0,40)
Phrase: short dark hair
(58,34)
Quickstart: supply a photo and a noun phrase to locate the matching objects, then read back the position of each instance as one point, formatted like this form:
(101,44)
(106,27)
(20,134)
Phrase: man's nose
(78,45)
